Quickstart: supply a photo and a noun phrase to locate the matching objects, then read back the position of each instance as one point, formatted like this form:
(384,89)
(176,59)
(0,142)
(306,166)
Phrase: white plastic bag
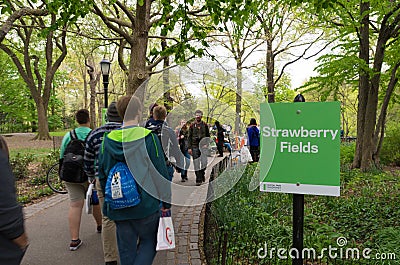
(165,234)
(245,155)
(88,205)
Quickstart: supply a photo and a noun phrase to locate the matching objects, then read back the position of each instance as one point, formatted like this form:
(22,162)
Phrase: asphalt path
(49,238)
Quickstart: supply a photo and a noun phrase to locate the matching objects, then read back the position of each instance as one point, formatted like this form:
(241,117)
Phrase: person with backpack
(134,178)
(167,137)
(198,140)
(92,148)
(71,171)
(13,239)
(253,134)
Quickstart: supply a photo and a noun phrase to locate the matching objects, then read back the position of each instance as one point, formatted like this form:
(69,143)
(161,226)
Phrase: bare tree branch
(5,28)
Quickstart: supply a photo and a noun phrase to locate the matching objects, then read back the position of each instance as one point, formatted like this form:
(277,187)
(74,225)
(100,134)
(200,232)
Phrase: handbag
(165,234)
(245,155)
(88,204)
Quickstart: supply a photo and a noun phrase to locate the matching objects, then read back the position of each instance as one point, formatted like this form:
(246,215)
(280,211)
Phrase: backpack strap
(73,135)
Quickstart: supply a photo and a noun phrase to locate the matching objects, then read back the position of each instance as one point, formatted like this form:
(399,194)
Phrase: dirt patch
(24,140)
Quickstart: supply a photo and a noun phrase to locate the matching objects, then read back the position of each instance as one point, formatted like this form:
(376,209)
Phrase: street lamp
(105,66)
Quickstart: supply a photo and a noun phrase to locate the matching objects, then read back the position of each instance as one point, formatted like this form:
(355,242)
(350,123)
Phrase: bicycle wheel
(54,181)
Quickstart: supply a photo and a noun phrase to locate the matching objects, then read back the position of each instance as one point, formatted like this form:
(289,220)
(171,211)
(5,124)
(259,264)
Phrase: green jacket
(141,150)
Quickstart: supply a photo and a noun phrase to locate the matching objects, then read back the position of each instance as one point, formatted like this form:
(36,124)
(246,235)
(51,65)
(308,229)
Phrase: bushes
(366,214)
(347,151)
(30,173)
(390,153)
(20,165)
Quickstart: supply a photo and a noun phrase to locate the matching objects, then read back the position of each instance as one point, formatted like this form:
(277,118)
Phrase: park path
(47,228)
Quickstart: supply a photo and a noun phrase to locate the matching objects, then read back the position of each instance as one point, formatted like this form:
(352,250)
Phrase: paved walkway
(47,228)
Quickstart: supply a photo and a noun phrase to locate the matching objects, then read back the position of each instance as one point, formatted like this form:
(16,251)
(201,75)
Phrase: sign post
(300,154)
(103,116)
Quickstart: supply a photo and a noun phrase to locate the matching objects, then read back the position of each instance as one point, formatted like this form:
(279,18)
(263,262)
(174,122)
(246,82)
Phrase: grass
(366,214)
(60,133)
(37,152)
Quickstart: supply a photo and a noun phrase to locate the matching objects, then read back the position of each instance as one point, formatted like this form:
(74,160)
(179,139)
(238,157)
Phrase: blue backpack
(121,189)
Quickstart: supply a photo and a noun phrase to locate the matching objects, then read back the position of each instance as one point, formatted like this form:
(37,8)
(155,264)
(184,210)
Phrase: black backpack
(72,163)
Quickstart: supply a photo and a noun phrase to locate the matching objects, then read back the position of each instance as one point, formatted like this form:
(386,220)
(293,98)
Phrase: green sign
(103,116)
(300,148)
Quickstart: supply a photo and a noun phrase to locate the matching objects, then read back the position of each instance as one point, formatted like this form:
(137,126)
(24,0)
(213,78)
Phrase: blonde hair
(159,113)
(135,107)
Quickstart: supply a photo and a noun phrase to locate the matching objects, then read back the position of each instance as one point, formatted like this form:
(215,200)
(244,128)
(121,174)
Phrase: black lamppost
(105,66)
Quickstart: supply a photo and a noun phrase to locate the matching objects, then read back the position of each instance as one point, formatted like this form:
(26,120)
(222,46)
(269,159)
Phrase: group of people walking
(152,151)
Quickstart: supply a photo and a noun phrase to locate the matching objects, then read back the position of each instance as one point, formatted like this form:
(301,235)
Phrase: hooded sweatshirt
(141,150)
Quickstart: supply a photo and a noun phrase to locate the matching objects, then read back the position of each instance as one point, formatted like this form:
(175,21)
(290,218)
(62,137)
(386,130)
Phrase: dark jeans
(255,153)
(129,231)
(186,164)
(220,147)
(10,253)
(171,171)
(200,163)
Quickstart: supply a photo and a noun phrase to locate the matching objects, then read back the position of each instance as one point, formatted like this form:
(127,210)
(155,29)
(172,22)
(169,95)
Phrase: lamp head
(105,66)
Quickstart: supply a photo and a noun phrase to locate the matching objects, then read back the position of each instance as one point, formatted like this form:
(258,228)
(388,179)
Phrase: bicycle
(54,181)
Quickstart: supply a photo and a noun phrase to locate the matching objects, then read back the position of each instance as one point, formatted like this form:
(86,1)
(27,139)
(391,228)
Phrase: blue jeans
(129,231)
(186,164)
(171,171)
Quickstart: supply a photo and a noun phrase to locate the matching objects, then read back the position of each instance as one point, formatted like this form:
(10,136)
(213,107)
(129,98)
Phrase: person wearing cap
(141,150)
(93,143)
(198,140)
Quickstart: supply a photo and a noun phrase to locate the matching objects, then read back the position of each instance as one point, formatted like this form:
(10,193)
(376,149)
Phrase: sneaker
(75,244)
(99,228)
(183,180)
(112,262)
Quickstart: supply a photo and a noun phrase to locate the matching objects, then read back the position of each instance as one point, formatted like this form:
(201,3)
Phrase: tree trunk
(138,73)
(168,102)
(270,73)
(85,91)
(43,125)
(93,81)
(363,86)
(380,126)
(239,80)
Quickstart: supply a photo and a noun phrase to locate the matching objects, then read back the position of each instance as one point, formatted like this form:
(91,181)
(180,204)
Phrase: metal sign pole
(298,217)
(298,221)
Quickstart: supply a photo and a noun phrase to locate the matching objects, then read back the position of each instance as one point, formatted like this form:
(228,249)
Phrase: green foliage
(17,106)
(20,165)
(68,10)
(366,213)
(30,170)
(190,28)
(390,153)
(347,151)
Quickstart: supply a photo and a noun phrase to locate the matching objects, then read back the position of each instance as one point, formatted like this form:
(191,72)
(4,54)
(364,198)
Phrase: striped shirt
(92,147)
